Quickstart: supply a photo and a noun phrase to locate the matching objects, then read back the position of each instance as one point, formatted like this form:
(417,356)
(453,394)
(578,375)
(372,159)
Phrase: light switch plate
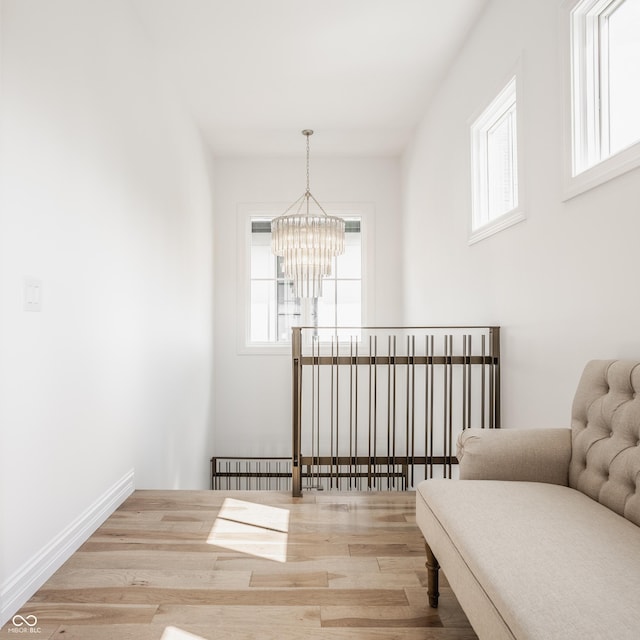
(32,294)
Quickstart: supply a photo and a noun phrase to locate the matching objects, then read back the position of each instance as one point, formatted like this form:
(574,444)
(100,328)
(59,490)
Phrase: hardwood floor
(192,565)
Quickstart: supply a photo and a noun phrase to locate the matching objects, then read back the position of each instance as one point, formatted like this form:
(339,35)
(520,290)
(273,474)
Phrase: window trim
(479,123)
(247,211)
(583,165)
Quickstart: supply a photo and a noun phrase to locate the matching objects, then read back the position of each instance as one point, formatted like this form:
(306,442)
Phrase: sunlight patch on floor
(173,633)
(255,529)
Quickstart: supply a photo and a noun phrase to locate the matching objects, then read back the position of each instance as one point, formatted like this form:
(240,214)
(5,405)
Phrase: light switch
(32,294)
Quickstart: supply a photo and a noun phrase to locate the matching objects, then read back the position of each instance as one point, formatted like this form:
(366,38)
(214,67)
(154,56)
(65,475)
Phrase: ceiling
(254,73)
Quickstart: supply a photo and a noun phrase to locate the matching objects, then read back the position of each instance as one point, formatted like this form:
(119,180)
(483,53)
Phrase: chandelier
(307,241)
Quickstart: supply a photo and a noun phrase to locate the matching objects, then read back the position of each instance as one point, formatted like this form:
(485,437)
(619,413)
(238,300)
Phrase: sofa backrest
(605,432)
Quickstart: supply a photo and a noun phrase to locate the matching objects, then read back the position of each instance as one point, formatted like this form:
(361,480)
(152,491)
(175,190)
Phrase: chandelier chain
(307,164)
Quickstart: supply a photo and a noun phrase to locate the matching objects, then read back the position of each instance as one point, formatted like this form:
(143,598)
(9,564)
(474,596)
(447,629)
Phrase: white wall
(253,392)
(562,284)
(106,200)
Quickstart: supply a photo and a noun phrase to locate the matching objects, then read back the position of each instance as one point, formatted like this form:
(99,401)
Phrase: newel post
(296,371)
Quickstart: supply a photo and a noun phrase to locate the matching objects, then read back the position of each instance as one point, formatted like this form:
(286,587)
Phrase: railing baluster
(413,409)
(431,399)
(494,332)
(450,424)
(370,421)
(391,407)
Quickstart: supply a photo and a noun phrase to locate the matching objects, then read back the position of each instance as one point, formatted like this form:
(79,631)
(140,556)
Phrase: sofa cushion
(552,562)
(605,426)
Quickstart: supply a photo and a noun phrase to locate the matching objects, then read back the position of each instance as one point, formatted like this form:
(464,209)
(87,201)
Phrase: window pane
(349,264)
(501,165)
(288,310)
(327,305)
(263,305)
(624,85)
(349,297)
(494,163)
(263,262)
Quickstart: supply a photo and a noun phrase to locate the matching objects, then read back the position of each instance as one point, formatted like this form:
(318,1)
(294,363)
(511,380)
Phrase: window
(272,308)
(494,165)
(603,61)
(621,63)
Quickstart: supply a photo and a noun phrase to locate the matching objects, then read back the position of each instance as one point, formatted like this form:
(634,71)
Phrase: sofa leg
(432,577)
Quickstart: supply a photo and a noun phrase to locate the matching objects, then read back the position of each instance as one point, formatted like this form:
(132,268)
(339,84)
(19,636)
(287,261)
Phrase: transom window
(494,165)
(604,58)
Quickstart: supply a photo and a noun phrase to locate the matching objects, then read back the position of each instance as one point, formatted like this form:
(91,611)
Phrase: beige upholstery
(534,561)
(531,537)
(534,455)
(605,461)
(604,457)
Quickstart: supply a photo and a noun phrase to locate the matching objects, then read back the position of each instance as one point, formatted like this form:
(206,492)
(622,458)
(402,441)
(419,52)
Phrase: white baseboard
(20,586)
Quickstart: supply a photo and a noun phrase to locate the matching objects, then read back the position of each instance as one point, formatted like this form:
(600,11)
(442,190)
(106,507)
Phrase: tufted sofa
(540,537)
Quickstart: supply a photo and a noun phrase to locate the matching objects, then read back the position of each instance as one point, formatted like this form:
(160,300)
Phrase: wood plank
(378,617)
(143,559)
(173,532)
(388,549)
(116,631)
(267,597)
(122,545)
(403,564)
(248,616)
(163,578)
(350,580)
(291,580)
(330,564)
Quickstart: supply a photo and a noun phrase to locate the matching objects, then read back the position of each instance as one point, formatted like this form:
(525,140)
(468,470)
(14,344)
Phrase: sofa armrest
(533,455)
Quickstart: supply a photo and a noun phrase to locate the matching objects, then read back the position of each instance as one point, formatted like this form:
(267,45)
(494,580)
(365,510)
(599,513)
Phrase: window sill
(495,226)
(608,169)
(264,349)
(326,346)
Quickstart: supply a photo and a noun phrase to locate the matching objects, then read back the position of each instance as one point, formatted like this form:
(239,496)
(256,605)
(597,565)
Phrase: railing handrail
(403,327)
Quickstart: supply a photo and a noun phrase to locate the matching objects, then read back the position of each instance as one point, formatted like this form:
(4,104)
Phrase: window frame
(481,224)
(247,212)
(586,165)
